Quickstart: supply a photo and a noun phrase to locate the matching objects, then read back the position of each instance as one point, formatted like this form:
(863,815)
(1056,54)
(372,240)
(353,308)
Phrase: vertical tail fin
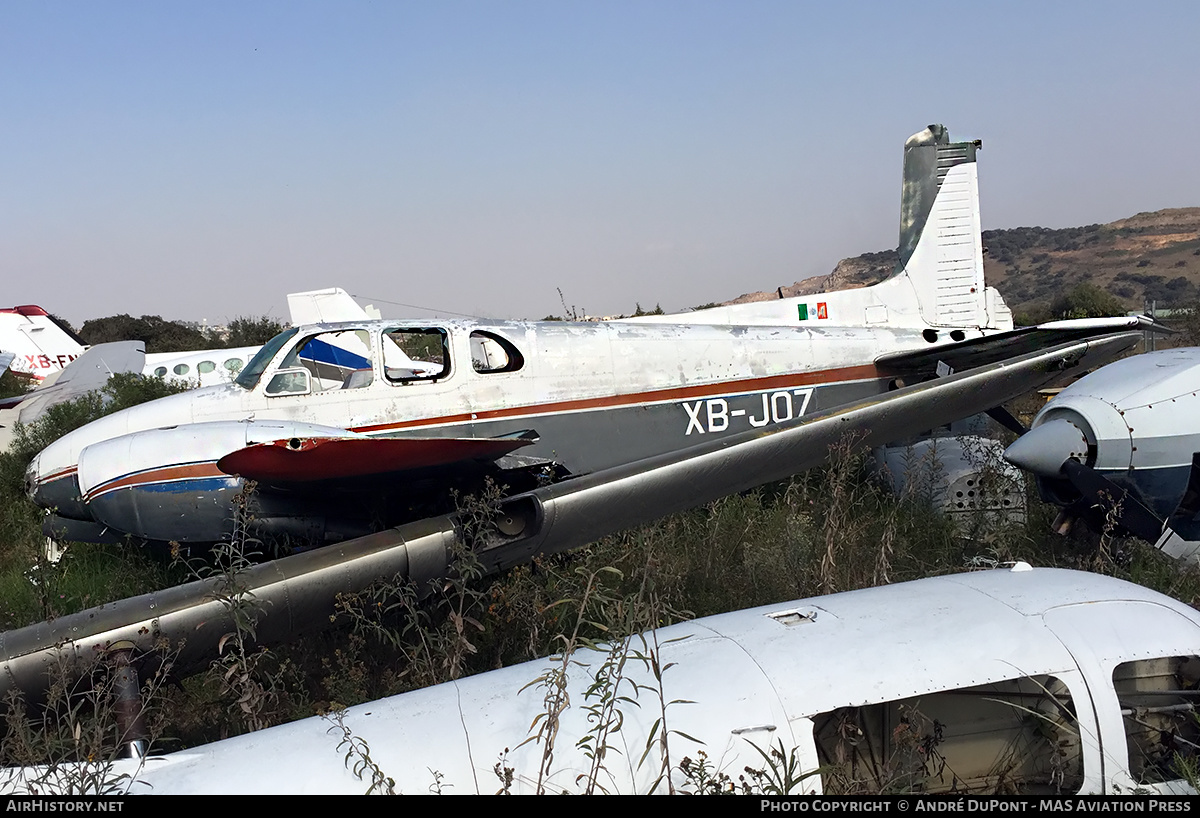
(325,307)
(941,250)
(41,346)
(938,281)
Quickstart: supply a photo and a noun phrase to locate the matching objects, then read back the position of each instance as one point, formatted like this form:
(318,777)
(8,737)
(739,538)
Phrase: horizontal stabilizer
(992,349)
(88,372)
(308,460)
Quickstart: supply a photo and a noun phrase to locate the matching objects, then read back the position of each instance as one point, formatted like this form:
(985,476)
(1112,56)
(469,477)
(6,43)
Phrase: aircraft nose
(59,491)
(31,480)
(1044,449)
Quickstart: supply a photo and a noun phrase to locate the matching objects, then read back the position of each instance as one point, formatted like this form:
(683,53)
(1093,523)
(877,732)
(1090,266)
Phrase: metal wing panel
(588,507)
(311,459)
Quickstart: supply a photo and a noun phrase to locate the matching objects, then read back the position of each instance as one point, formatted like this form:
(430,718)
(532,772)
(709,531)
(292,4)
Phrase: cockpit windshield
(249,376)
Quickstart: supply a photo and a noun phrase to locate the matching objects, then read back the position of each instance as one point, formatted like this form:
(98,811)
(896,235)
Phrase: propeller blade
(1129,512)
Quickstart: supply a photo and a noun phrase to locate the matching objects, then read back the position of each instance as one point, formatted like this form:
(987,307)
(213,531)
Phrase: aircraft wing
(6,359)
(312,459)
(569,514)
(992,349)
(88,372)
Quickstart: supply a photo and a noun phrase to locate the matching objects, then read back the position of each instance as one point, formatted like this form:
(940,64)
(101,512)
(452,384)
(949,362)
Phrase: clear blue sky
(201,159)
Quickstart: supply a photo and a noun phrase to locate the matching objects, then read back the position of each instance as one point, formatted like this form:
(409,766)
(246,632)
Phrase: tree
(249,331)
(158,334)
(12,384)
(1087,301)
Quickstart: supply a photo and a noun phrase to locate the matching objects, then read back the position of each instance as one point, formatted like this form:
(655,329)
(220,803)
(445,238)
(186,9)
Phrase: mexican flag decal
(822,311)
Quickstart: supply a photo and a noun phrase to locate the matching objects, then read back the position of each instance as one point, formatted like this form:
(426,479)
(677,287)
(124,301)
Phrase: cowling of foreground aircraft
(1025,680)
(347,428)
(1120,449)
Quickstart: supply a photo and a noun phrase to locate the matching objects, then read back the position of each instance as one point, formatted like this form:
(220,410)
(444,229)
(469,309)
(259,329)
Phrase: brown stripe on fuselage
(165,474)
(67,472)
(825,376)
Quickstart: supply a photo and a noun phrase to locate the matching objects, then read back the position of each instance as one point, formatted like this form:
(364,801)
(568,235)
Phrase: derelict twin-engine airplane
(345,443)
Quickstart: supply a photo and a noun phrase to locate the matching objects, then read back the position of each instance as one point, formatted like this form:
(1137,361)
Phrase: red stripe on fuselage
(827,376)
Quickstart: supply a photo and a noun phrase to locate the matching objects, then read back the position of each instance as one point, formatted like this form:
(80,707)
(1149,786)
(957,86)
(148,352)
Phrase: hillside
(1150,256)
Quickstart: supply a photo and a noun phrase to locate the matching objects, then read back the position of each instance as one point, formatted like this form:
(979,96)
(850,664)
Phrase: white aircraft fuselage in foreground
(359,424)
(1036,681)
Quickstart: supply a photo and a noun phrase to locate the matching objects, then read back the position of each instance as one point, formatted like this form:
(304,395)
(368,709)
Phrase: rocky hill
(1147,257)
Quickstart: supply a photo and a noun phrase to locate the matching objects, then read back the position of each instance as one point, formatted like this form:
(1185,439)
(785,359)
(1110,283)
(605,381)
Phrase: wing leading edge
(312,459)
(999,347)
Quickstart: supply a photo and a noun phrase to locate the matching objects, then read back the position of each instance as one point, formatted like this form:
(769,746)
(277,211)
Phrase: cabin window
(291,381)
(1016,736)
(1157,698)
(413,354)
(204,367)
(334,360)
(160,372)
(181,369)
(491,353)
(233,365)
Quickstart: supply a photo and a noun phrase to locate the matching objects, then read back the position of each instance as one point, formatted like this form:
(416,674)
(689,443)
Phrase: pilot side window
(491,353)
(325,362)
(1158,698)
(412,354)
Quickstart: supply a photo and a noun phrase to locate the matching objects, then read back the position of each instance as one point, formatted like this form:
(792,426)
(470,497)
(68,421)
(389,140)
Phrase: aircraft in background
(43,347)
(352,426)
(1021,680)
(1120,449)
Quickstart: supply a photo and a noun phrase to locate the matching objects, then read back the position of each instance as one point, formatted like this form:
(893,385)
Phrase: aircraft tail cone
(1044,449)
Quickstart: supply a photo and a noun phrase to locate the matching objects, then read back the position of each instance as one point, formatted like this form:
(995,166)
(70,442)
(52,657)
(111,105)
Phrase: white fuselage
(1026,673)
(598,393)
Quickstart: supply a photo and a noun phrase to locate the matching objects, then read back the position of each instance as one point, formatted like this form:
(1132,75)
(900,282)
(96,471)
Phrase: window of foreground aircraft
(1157,698)
(248,379)
(323,362)
(491,353)
(1017,736)
(416,354)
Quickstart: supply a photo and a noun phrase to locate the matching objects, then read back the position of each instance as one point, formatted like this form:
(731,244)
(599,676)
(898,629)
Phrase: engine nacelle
(1121,446)
(164,484)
